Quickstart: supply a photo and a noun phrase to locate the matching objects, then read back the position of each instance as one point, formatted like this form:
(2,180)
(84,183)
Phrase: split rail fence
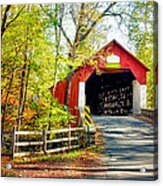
(67,138)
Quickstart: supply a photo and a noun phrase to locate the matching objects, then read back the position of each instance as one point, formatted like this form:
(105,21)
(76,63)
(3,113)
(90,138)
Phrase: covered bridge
(114,84)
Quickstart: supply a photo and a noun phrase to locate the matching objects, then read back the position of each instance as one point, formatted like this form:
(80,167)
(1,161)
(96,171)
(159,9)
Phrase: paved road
(129,146)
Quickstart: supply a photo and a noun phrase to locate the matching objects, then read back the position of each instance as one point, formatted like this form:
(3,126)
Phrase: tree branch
(72,15)
(65,35)
(17,15)
(91,16)
(96,21)
(79,24)
(59,25)
(4,20)
(115,15)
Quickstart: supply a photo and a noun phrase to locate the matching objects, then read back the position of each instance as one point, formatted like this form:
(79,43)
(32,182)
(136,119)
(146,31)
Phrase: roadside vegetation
(39,49)
(43,44)
(66,156)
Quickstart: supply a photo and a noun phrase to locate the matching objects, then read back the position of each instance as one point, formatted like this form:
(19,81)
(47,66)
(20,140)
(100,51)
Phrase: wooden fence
(73,138)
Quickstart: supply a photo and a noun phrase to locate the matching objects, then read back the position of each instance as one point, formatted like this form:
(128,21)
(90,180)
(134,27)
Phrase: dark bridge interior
(110,94)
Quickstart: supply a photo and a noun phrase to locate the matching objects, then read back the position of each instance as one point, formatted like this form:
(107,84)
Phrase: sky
(112,32)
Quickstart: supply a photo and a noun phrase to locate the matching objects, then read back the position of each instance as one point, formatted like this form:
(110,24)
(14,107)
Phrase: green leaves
(60,117)
(48,52)
(141,35)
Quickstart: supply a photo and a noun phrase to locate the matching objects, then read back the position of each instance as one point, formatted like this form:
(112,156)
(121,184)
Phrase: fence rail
(74,139)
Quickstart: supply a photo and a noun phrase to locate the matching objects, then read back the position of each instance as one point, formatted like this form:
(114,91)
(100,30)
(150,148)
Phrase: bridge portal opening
(110,93)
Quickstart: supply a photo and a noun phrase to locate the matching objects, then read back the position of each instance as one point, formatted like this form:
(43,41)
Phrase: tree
(19,46)
(8,19)
(30,60)
(83,18)
(39,48)
(57,19)
(141,33)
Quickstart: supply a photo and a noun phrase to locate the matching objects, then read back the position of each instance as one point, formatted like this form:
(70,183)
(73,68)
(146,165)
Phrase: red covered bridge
(114,85)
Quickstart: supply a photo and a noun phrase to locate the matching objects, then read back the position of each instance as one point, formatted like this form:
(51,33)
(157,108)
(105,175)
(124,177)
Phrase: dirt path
(73,168)
(78,167)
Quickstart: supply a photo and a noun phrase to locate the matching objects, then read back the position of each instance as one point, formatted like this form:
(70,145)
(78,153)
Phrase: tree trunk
(57,40)
(6,102)
(21,97)
(26,87)
(23,85)
(4,111)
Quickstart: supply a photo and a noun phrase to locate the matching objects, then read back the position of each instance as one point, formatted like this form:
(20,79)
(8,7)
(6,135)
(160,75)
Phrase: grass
(59,157)
(49,158)
(96,149)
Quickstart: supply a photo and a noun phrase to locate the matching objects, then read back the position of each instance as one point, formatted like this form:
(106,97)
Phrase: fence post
(13,141)
(44,139)
(69,137)
(82,139)
(82,134)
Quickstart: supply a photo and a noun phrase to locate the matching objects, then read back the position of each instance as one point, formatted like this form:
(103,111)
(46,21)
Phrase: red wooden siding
(60,91)
(127,62)
(81,75)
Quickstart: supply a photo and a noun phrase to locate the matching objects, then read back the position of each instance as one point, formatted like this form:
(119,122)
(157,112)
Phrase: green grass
(96,148)
(50,158)
(58,157)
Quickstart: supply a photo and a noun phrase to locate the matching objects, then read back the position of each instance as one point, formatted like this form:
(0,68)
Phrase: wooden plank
(77,129)
(63,149)
(13,141)
(48,151)
(82,139)
(65,130)
(28,143)
(62,139)
(45,141)
(69,137)
(44,134)
(28,133)
(7,132)
(18,154)
(48,141)
(57,131)
(48,132)
(6,143)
